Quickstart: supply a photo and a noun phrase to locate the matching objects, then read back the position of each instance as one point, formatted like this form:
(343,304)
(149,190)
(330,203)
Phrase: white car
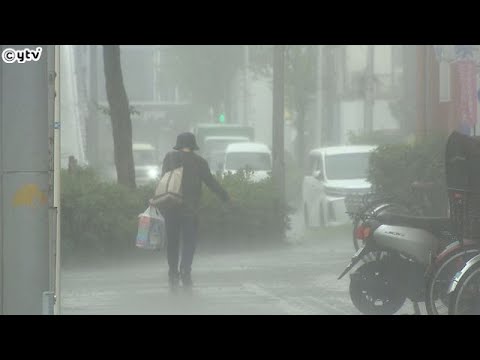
(146,162)
(334,173)
(147,166)
(255,156)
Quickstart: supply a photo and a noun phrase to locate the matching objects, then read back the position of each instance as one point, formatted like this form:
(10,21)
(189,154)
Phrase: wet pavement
(295,279)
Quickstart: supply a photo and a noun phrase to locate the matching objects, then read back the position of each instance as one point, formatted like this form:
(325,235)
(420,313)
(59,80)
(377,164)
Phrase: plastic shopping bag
(151,233)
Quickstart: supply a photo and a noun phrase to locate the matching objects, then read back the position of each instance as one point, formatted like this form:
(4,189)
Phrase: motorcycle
(373,203)
(402,247)
(358,205)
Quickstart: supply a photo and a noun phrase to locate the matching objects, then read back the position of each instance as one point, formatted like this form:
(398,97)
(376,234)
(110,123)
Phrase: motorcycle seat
(427,223)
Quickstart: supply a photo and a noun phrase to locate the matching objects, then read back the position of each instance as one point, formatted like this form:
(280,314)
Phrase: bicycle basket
(462,165)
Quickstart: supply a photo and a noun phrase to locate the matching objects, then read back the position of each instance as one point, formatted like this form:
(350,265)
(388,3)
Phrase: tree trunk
(119,115)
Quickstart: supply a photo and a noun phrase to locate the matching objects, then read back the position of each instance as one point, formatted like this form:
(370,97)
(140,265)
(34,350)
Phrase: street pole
(328,134)
(49,296)
(427,120)
(369,90)
(2,292)
(92,119)
(278,122)
(56,183)
(319,98)
(410,89)
(245,82)
(25,193)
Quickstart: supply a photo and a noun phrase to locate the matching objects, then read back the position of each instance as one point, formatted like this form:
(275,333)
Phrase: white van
(334,172)
(255,156)
(214,149)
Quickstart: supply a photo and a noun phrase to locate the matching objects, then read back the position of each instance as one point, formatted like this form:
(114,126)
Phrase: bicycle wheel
(437,299)
(465,300)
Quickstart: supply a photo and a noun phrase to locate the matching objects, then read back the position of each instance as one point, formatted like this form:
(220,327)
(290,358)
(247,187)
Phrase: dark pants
(178,222)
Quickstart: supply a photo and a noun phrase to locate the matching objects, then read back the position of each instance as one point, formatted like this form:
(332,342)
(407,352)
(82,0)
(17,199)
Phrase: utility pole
(56,183)
(428,106)
(25,192)
(328,135)
(245,89)
(92,119)
(409,53)
(319,98)
(278,122)
(369,90)
(422,84)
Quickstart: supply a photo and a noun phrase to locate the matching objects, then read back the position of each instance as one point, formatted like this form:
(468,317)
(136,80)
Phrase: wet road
(296,279)
(300,279)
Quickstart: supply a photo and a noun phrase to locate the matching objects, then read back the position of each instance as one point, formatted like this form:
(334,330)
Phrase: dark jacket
(195,171)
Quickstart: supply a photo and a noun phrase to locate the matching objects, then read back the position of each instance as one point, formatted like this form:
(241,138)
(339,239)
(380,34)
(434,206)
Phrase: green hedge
(97,216)
(394,167)
(103,217)
(256,215)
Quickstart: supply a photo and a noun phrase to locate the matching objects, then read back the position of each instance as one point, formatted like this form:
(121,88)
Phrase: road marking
(328,306)
(288,307)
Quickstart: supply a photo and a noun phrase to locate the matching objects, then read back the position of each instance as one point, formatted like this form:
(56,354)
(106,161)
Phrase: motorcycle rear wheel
(372,293)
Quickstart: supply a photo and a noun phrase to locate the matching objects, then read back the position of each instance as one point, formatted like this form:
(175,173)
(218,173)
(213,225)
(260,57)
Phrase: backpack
(168,193)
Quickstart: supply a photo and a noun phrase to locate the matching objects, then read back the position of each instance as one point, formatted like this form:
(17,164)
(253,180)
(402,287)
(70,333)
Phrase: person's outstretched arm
(211,182)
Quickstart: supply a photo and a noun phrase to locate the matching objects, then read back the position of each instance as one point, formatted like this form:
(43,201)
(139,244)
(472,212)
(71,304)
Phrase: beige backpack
(168,193)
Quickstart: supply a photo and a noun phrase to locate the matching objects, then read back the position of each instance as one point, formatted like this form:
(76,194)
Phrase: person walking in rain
(184,219)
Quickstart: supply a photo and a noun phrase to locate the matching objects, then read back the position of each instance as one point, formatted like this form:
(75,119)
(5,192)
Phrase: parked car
(214,149)
(334,173)
(255,156)
(202,131)
(146,162)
